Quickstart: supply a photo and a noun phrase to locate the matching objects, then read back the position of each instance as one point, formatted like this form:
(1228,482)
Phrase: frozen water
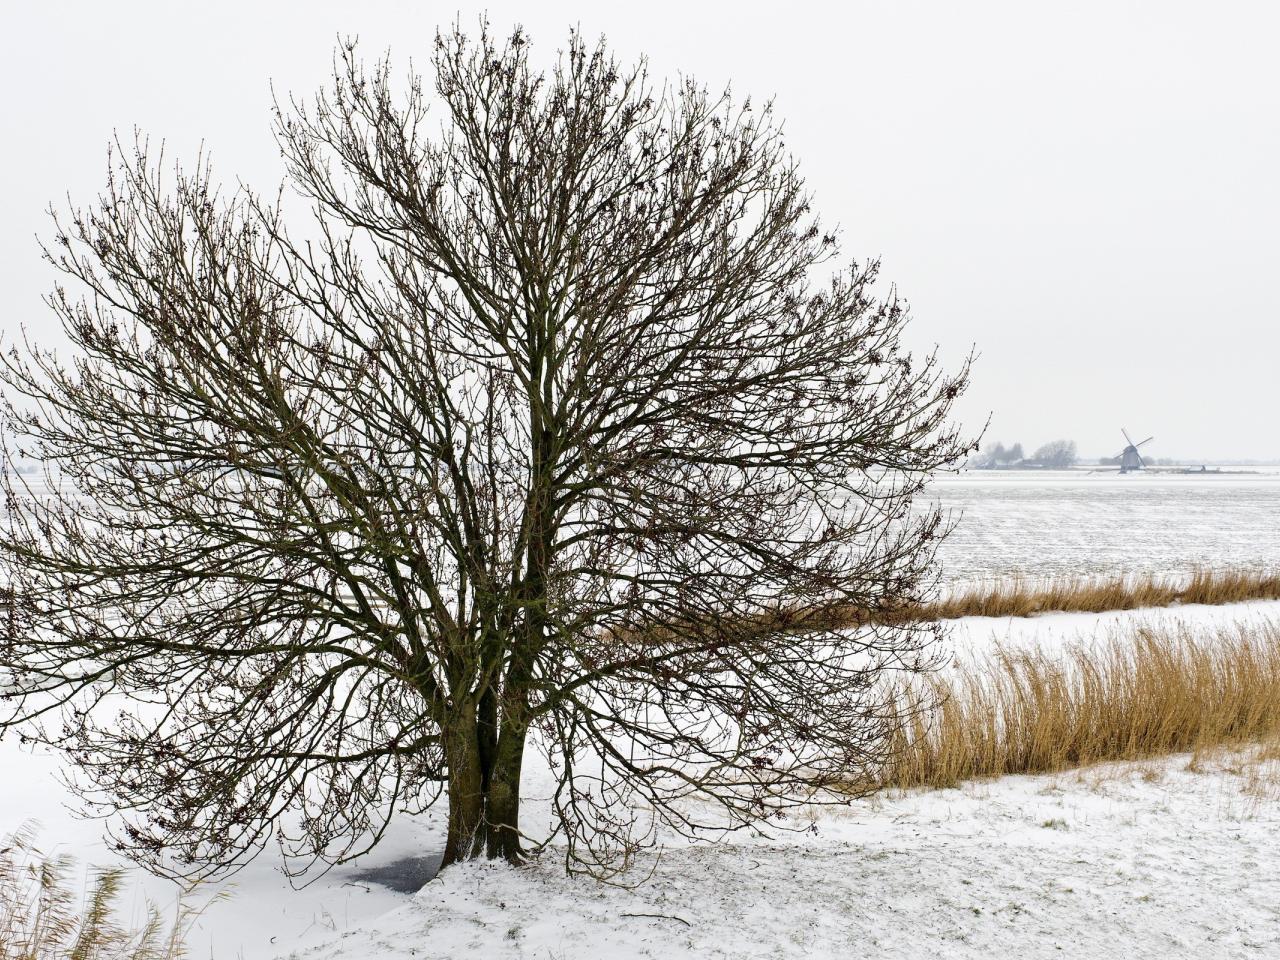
(407,875)
(1070,522)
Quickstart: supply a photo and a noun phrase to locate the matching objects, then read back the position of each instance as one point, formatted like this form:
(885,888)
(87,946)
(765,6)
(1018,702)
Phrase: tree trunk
(483,793)
(503,800)
(466,838)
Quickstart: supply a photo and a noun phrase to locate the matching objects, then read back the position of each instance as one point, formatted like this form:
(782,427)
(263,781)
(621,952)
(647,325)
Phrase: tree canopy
(1057,454)
(554,420)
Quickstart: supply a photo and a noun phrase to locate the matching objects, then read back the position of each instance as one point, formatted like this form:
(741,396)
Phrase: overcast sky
(1085,192)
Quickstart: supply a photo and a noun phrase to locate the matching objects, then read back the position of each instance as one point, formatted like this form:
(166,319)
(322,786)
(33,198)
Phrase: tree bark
(503,800)
(466,790)
(484,790)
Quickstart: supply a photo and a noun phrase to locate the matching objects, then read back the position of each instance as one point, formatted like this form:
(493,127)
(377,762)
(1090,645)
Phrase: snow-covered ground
(1051,631)
(1132,861)
(1156,859)
(261,915)
(1146,861)
(891,876)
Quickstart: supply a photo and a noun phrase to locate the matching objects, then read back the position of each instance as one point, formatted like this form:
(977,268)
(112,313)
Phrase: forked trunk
(484,796)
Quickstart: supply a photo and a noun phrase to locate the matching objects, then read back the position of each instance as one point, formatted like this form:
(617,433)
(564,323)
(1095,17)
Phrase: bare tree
(562,426)
(1058,454)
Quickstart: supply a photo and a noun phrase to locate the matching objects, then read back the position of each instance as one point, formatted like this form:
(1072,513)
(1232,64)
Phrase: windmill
(1130,458)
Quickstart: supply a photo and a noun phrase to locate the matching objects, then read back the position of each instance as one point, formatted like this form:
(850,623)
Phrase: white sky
(1086,191)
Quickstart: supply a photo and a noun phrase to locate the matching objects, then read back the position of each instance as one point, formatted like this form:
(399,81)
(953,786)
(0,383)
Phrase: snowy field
(1152,856)
(1136,861)
(1068,523)
(1148,860)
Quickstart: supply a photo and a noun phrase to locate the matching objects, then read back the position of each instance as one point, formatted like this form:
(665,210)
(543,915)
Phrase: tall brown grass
(41,917)
(1016,597)
(1127,697)
(1026,597)
(1019,597)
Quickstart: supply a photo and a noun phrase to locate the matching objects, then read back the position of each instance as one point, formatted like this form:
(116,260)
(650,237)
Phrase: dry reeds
(41,918)
(1026,597)
(1126,698)
(1014,597)
(1023,598)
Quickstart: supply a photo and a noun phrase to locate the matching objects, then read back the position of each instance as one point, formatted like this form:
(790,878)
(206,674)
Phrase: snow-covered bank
(1050,631)
(1132,861)
(936,838)
(260,913)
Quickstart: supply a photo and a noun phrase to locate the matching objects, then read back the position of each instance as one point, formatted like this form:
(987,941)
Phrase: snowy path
(1133,861)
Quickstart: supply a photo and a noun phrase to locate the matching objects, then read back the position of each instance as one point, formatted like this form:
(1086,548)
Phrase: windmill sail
(1130,458)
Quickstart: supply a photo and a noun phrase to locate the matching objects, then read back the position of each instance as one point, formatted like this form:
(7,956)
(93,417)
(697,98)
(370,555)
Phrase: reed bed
(1024,598)
(1131,696)
(42,918)
(1016,597)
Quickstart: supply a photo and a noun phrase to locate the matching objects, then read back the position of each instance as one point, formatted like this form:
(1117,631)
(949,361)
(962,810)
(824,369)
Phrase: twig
(659,916)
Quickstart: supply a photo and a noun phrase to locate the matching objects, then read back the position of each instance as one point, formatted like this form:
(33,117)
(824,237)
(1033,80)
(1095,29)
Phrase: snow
(261,914)
(1129,860)
(1165,857)
(893,876)
(1136,861)
(1071,523)
(1052,631)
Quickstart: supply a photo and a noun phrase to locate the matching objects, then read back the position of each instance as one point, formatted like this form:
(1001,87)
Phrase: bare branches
(546,425)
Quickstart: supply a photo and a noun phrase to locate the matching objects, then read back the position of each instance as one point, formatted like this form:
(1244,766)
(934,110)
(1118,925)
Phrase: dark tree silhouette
(556,429)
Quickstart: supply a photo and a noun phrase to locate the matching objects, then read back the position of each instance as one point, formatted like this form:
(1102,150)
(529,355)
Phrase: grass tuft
(40,918)
(1126,698)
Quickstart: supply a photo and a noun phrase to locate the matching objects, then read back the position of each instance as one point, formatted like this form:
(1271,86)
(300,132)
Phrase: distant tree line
(1054,455)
